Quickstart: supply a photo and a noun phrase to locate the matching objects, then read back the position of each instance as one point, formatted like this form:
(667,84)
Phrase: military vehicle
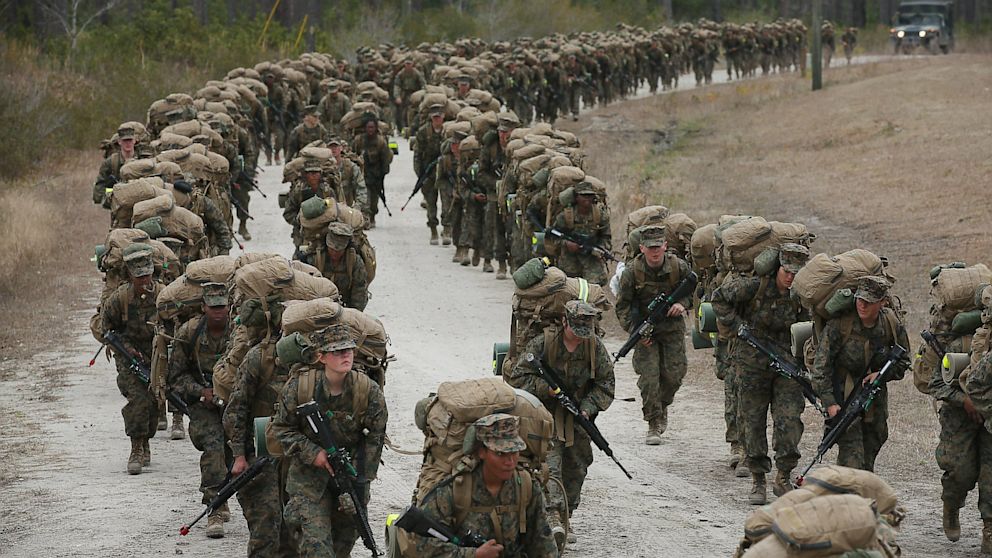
(923,23)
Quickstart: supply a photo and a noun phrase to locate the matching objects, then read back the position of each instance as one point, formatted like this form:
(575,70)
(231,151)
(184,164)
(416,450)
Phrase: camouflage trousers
(964,453)
(589,267)
(242,195)
(453,216)
(375,184)
(262,503)
(660,369)
(430,191)
(761,389)
(141,410)
(731,410)
(862,442)
(277,140)
(206,431)
(496,229)
(474,233)
(569,466)
(320,526)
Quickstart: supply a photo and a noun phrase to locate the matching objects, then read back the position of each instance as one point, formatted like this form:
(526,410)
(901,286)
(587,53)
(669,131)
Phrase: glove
(346,505)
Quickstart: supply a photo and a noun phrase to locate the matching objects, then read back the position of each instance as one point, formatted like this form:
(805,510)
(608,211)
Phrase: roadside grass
(867,162)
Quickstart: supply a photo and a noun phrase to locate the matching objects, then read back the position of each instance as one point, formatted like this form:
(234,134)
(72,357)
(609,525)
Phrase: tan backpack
(952,290)
(702,247)
(315,228)
(369,334)
(180,300)
(742,241)
(218,269)
(837,479)
(827,525)
(127,194)
(824,275)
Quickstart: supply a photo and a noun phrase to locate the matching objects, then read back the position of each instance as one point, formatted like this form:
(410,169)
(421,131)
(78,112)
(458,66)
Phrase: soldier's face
(784,279)
(499,466)
(463,87)
(654,255)
(127,144)
(868,311)
(371,128)
(437,120)
(312,178)
(216,314)
(504,137)
(143,283)
(310,120)
(336,150)
(338,362)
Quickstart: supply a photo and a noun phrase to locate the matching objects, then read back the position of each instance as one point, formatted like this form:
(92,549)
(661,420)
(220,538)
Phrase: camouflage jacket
(640,284)
(361,432)
(128,314)
(840,354)
(194,354)
(407,82)
(348,274)
(439,504)
(333,107)
(257,386)
(300,192)
(447,168)
(428,148)
(587,376)
(492,161)
(978,385)
(595,225)
(214,223)
(950,393)
(376,152)
(351,189)
(757,302)
(301,136)
(109,174)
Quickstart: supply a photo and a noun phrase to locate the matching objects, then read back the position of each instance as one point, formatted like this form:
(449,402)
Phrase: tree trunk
(200,11)
(716,14)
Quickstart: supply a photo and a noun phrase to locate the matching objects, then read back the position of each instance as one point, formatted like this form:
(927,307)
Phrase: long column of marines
(281,372)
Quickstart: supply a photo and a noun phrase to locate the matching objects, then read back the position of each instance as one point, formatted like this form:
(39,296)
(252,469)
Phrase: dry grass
(892,157)
(48,227)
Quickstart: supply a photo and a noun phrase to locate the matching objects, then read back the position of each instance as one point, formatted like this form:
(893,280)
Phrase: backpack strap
(463,486)
(196,346)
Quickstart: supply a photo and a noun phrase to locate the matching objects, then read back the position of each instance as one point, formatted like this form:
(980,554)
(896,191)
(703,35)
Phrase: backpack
(127,194)
(827,525)
(742,241)
(824,275)
(180,300)
(446,419)
(177,221)
(952,290)
(218,269)
(702,247)
(650,215)
(275,278)
(543,304)
(314,220)
(559,179)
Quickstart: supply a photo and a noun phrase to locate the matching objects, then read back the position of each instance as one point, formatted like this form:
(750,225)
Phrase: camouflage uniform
(128,313)
(846,357)
(214,223)
(313,509)
(446,182)
(473,225)
(332,109)
(299,192)
(375,150)
(352,190)
(428,150)
(595,226)
(191,363)
(406,82)
(769,313)
(588,376)
(964,450)
(301,136)
(348,273)
(661,367)
(257,386)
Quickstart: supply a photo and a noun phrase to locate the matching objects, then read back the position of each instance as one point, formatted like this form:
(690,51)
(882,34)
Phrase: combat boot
(134,460)
(653,437)
(476,258)
(466,258)
(663,420)
(742,471)
(224,512)
(146,453)
(215,526)
(501,274)
(457,258)
(987,536)
(783,482)
(735,455)
(557,531)
(163,421)
(759,495)
(952,525)
(487,266)
(433,235)
(445,237)
(243,231)
(178,432)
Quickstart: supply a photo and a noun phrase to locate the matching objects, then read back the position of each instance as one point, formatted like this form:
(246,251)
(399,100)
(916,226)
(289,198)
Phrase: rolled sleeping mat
(499,355)
(952,365)
(707,318)
(261,449)
(801,332)
(701,340)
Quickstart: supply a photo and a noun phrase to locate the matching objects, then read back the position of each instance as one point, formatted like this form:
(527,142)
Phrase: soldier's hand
(676,310)
(833,410)
(646,341)
(321,462)
(972,412)
(489,550)
(481,198)
(240,465)
(346,505)
(207,395)
(869,378)
(572,246)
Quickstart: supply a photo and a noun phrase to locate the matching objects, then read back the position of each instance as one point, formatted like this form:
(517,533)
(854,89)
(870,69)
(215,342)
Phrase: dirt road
(63,452)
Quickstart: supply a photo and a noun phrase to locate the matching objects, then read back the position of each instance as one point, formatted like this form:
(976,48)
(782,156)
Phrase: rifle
(139,368)
(420,181)
(230,488)
(382,196)
(585,244)
(237,205)
(262,138)
(785,368)
(344,472)
(415,521)
(243,178)
(658,310)
(569,404)
(933,343)
(856,405)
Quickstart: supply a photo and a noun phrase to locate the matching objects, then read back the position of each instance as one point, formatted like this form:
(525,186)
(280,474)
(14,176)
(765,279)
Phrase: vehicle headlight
(900,34)
(923,34)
